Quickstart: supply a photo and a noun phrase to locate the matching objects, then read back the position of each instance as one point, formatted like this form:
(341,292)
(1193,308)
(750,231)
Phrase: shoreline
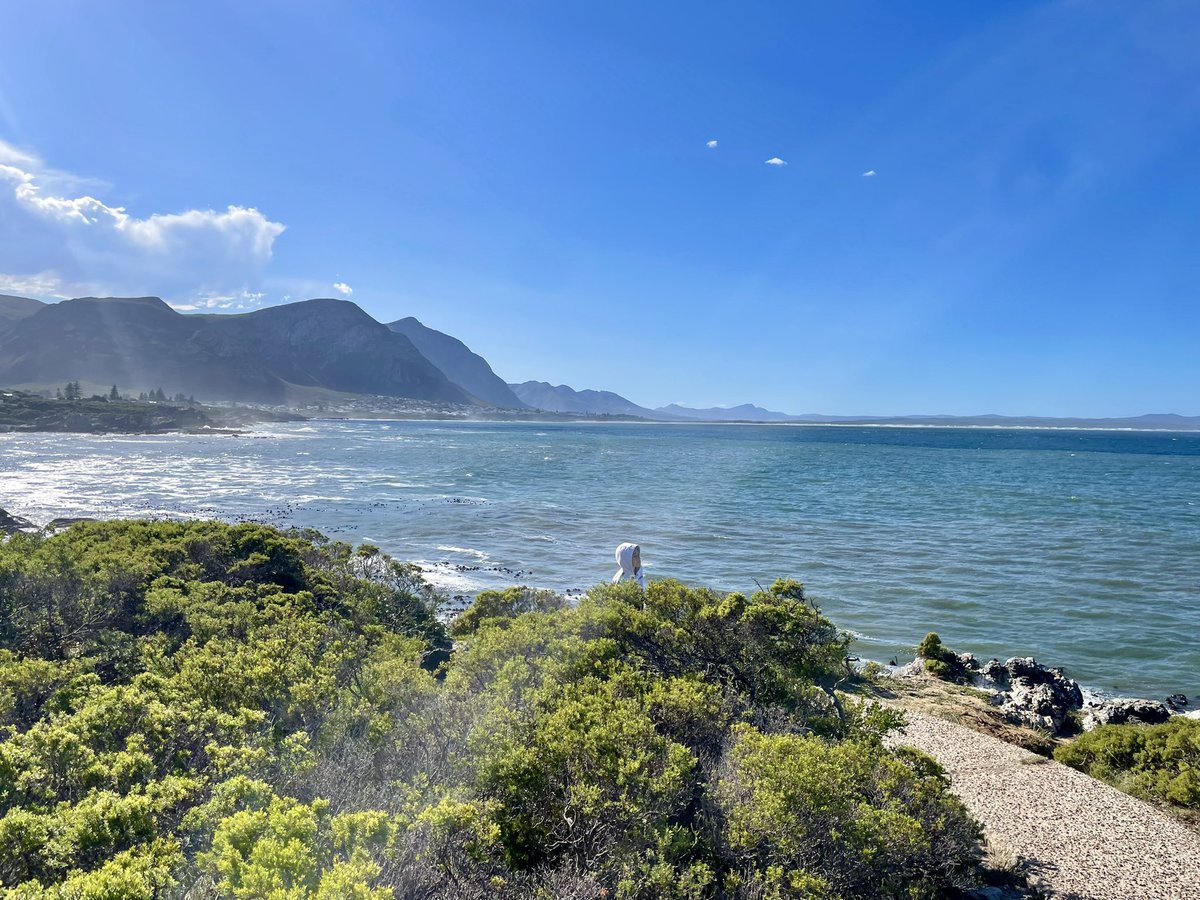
(250,424)
(458,599)
(744,424)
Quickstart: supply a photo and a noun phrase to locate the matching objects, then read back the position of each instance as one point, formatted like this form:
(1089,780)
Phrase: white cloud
(342,288)
(57,241)
(711,145)
(776,161)
(210,302)
(40,284)
(870,173)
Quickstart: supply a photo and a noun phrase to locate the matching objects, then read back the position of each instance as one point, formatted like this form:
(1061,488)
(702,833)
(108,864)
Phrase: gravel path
(1079,837)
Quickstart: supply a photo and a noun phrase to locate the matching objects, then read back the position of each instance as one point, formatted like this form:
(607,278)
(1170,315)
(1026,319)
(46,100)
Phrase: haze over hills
(468,370)
(563,399)
(747,412)
(318,349)
(262,356)
(13,309)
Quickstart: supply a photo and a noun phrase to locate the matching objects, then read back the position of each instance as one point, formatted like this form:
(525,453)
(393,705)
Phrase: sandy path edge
(1080,838)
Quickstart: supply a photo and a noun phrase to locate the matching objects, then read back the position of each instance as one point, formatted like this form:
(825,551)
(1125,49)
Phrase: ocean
(1081,548)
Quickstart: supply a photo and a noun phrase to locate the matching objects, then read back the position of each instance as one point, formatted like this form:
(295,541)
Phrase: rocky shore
(1043,698)
(24,412)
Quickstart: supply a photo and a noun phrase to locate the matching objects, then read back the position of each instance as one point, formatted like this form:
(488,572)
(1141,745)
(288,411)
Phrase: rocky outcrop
(1178,703)
(1123,711)
(1029,693)
(10,524)
(20,411)
(1044,698)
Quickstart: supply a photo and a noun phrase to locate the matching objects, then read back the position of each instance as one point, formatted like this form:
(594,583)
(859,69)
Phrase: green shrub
(235,711)
(501,607)
(941,661)
(850,819)
(1155,762)
(145,663)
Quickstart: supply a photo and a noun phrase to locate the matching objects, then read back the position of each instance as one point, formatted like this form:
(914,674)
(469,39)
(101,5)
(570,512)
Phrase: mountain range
(272,355)
(320,349)
(563,399)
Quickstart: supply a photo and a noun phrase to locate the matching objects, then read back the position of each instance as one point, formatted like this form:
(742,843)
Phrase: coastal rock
(1125,712)
(993,670)
(1031,694)
(10,524)
(1178,703)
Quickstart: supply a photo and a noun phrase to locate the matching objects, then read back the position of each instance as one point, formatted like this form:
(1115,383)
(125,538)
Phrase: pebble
(1079,838)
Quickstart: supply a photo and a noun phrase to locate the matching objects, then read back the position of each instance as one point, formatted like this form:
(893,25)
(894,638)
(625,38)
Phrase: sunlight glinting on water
(1080,548)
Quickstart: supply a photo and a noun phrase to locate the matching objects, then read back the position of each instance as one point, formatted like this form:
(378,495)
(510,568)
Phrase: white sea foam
(466,551)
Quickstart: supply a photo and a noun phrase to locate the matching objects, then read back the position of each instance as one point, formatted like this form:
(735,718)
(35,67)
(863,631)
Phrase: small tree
(143,397)
(113,395)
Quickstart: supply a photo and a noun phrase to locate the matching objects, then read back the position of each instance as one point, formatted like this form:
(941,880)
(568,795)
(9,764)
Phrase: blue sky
(535,178)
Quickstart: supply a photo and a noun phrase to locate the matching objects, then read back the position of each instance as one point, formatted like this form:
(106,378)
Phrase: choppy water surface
(1082,548)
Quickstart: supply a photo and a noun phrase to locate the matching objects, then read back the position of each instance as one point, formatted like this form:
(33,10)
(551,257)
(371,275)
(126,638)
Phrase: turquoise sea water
(1079,547)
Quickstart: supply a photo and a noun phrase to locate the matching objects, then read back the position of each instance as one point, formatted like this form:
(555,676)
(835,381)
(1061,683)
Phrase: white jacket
(625,561)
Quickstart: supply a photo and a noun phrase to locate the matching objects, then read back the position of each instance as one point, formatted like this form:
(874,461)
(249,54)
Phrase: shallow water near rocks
(1081,548)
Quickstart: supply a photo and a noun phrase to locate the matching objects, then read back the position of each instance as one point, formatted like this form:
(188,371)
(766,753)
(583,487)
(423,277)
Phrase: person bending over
(629,558)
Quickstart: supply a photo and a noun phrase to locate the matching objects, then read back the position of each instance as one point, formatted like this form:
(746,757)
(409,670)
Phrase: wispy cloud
(776,161)
(243,300)
(711,145)
(870,173)
(56,241)
(342,288)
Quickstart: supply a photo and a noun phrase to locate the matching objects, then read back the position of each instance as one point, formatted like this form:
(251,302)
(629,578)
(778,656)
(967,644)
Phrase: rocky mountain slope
(14,309)
(263,356)
(465,368)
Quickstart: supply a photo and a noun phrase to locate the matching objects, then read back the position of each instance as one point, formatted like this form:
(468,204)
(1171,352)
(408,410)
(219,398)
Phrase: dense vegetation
(1154,762)
(197,710)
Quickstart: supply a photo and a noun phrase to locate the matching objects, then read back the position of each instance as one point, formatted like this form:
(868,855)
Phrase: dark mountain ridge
(261,356)
(467,369)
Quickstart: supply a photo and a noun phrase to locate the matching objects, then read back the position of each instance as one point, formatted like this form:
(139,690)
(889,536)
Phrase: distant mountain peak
(745,412)
(565,399)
